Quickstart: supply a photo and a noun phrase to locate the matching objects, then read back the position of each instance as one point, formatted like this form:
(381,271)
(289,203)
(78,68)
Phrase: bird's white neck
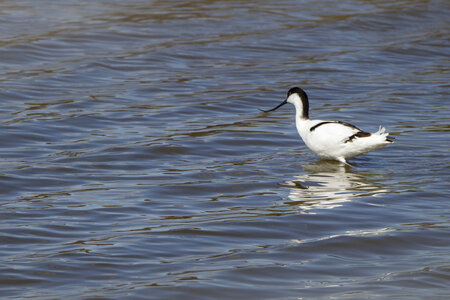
(301,106)
(301,114)
(299,111)
(303,126)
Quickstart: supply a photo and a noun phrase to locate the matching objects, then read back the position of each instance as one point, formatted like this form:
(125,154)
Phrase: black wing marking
(358,134)
(339,122)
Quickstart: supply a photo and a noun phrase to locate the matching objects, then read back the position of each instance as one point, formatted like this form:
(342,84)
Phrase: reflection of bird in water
(328,184)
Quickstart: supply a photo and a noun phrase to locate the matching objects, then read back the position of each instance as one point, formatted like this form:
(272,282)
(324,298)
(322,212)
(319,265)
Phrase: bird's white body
(332,139)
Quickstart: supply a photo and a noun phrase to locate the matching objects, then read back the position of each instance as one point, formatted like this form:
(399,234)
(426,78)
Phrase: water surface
(136,164)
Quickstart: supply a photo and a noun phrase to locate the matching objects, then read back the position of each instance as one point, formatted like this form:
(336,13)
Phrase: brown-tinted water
(135,163)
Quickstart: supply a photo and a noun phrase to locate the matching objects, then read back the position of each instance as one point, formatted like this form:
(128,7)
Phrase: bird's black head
(303,97)
(297,90)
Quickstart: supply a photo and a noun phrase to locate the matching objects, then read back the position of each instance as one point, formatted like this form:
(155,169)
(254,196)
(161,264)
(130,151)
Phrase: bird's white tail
(383,135)
(363,145)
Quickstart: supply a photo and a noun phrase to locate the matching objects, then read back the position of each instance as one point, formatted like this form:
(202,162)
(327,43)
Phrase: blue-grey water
(135,163)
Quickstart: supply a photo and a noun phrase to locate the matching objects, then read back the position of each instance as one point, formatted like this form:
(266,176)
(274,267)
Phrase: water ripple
(135,161)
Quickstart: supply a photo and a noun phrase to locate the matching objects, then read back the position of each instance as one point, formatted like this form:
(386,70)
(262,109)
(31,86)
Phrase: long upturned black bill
(280,105)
